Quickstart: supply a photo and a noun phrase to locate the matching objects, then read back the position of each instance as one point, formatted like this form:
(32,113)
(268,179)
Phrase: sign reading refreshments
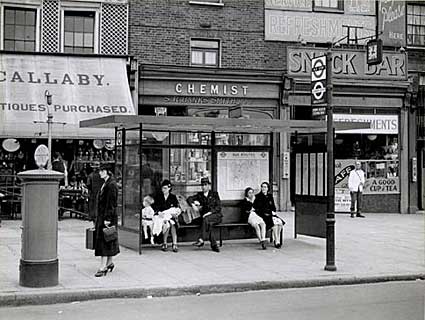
(348,64)
(294,26)
(379,124)
(81,87)
(392,22)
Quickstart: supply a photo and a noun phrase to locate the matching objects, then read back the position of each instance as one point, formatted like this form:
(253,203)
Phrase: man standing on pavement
(209,205)
(356,182)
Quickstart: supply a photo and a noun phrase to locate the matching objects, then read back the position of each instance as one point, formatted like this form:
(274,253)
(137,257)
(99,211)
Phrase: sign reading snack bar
(348,64)
(81,88)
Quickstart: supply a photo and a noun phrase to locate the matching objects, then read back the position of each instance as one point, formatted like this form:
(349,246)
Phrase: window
(207,2)
(19,29)
(329,5)
(79,32)
(204,53)
(416,25)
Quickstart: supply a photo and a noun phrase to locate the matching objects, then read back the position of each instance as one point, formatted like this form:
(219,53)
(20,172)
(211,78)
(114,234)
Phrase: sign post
(330,215)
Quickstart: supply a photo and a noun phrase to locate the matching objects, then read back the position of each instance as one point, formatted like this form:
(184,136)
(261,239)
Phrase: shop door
(310,190)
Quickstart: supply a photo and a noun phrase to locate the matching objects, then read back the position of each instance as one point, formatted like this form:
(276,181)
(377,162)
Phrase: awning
(202,124)
(82,87)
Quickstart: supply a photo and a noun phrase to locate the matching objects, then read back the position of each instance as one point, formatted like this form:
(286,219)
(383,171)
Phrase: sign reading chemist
(81,88)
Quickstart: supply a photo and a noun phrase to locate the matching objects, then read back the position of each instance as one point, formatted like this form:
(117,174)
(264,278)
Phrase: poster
(239,170)
(392,22)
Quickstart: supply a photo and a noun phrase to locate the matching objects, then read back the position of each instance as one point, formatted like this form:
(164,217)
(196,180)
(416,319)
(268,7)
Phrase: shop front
(362,93)
(186,157)
(81,87)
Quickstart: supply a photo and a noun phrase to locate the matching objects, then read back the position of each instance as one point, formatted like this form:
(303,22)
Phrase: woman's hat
(166,182)
(205,180)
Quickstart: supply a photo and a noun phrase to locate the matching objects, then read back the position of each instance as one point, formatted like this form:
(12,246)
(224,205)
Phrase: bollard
(39,264)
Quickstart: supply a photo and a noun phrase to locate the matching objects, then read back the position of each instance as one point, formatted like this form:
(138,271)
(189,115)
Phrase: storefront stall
(363,93)
(82,87)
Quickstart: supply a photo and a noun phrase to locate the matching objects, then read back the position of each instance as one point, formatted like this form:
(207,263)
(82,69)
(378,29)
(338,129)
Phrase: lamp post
(330,212)
(48,96)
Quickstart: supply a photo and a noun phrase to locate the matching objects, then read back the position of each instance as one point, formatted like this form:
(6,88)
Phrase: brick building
(190,52)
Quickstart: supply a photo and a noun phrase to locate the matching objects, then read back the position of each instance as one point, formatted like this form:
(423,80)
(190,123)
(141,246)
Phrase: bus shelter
(228,151)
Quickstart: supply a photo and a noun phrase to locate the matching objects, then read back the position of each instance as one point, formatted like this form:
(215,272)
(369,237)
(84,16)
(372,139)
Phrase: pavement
(379,248)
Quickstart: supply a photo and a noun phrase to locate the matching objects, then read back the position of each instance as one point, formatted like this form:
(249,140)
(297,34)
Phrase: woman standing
(106,217)
(166,206)
(264,206)
(252,217)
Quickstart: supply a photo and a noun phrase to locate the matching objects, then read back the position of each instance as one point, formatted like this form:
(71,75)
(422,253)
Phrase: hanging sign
(374,52)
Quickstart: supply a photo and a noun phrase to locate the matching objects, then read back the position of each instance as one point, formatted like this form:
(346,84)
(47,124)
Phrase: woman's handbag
(90,238)
(110,233)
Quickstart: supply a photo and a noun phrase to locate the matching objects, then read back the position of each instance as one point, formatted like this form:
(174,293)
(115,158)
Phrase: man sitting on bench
(209,205)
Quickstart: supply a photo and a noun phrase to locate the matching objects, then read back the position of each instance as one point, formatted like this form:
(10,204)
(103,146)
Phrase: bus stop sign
(318,80)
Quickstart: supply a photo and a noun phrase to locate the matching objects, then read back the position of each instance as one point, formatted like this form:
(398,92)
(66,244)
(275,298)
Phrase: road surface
(389,301)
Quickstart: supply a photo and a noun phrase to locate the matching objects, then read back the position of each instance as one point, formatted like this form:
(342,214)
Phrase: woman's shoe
(278,245)
(110,267)
(175,249)
(199,244)
(263,245)
(101,273)
(164,247)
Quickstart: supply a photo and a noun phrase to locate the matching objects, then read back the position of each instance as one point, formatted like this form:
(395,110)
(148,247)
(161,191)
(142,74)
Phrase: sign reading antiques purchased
(349,64)
(81,88)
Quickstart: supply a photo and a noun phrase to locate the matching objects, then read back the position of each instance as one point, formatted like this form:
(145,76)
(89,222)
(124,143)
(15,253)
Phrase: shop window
(19,29)
(240,139)
(79,32)
(416,25)
(204,53)
(328,5)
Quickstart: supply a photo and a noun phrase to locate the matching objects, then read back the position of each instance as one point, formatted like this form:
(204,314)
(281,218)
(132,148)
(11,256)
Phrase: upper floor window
(416,25)
(79,32)
(19,29)
(204,53)
(329,5)
(207,2)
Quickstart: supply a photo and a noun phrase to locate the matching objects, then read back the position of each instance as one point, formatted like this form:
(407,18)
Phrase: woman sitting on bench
(254,219)
(264,206)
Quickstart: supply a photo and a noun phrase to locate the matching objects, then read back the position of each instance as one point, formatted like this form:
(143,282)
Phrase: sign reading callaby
(81,88)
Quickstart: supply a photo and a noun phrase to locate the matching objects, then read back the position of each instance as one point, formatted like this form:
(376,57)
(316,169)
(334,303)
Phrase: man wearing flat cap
(210,210)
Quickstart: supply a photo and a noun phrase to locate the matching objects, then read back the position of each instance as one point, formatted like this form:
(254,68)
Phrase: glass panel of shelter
(182,157)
